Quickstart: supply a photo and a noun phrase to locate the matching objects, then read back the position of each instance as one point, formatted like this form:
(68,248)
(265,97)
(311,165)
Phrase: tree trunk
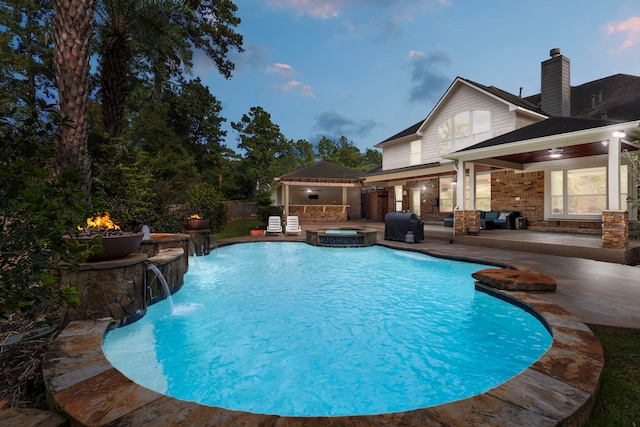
(73,31)
(114,91)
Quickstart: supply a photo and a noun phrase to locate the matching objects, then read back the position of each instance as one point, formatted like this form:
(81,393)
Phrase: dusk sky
(367,69)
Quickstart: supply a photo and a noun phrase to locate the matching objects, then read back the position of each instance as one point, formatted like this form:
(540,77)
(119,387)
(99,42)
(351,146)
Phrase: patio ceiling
(569,152)
(516,154)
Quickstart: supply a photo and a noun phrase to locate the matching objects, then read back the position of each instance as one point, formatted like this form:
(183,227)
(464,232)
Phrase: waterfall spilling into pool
(165,286)
(293,329)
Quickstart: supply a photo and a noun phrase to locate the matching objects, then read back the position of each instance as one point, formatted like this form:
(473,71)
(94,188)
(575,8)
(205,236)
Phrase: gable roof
(501,95)
(506,96)
(613,97)
(323,170)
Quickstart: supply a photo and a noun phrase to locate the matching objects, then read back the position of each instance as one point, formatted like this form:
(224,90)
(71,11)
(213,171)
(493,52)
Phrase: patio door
(416,198)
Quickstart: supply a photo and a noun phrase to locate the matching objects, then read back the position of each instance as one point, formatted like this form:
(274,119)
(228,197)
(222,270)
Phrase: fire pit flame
(100,225)
(195,216)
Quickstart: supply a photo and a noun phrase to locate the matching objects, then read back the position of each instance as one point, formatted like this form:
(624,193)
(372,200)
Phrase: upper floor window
(416,152)
(464,129)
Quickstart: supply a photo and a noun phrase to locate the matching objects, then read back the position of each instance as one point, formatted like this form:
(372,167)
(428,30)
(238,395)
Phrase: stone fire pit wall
(113,288)
(159,241)
(123,288)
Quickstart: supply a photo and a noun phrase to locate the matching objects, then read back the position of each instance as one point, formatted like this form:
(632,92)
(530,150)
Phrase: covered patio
(540,154)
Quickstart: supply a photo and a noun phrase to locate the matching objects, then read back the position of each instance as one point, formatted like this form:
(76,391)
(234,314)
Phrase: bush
(205,201)
(265,209)
(36,209)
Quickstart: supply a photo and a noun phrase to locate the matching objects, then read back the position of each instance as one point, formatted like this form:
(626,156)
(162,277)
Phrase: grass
(618,402)
(237,228)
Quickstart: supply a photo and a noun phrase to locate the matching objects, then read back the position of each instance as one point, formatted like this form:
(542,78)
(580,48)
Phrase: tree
(151,38)
(263,144)
(26,52)
(342,153)
(72,30)
(194,114)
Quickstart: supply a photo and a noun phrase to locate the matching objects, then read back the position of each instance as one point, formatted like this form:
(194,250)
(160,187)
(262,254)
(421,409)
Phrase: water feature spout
(160,277)
(146,233)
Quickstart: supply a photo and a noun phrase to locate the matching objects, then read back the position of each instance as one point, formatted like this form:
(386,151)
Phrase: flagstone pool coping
(558,389)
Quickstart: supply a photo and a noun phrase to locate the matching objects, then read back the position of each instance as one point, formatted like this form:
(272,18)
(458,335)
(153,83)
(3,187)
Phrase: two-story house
(559,158)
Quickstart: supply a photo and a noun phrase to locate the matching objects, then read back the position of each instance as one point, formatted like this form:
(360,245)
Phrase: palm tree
(156,38)
(73,29)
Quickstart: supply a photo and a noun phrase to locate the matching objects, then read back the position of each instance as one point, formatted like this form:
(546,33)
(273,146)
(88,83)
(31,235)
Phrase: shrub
(205,201)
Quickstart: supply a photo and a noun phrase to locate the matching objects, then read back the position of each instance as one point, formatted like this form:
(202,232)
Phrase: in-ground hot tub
(342,237)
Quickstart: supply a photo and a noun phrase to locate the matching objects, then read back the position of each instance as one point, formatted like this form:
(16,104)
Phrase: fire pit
(115,242)
(196,223)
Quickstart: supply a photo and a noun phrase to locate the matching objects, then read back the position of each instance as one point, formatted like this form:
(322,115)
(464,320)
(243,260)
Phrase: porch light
(555,153)
(619,134)
(605,142)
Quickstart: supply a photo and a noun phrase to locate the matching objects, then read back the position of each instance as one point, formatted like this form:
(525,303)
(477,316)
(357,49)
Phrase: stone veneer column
(615,229)
(463,219)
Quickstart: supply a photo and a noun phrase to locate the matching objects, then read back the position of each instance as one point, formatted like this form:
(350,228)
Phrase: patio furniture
(448,221)
(293,225)
(274,225)
(498,219)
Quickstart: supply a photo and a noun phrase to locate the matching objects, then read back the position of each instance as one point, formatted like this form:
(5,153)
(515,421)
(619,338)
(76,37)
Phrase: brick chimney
(555,85)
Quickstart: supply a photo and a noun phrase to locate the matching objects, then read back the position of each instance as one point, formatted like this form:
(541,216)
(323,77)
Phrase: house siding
(396,156)
(463,98)
(466,98)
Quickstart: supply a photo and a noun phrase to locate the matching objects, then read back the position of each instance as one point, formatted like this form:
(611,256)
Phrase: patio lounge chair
(293,225)
(274,225)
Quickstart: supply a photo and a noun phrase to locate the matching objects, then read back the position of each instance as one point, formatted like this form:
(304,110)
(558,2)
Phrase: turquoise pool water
(300,330)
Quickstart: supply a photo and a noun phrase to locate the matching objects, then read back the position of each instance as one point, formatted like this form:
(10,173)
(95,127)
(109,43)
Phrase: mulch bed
(21,383)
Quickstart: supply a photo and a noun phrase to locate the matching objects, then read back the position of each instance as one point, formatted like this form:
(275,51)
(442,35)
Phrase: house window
(416,152)
(397,190)
(464,129)
(447,193)
(583,191)
(483,192)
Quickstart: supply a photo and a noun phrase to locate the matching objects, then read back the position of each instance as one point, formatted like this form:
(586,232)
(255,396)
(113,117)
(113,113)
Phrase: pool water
(292,329)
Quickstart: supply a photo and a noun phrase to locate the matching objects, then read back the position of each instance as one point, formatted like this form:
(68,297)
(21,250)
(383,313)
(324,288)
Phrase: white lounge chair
(293,225)
(274,225)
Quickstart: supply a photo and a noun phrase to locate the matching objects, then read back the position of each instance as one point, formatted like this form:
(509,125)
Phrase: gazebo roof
(323,171)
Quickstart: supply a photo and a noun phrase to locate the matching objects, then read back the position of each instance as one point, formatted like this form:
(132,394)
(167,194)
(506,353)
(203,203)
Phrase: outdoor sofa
(498,219)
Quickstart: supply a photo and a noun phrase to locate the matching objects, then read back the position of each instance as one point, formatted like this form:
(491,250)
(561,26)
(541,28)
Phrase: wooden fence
(237,209)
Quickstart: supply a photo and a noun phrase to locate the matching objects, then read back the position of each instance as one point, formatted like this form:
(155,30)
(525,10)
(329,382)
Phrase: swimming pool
(388,329)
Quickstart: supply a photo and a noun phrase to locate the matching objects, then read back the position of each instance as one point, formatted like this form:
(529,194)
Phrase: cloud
(326,9)
(629,29)
(283,69)
(295,85)
(428,82)
(335,124)
(317,9)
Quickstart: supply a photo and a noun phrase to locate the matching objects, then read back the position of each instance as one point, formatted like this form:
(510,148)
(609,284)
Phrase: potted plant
(103,239)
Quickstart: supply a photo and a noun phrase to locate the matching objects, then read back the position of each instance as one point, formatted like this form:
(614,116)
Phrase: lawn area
(237,228)
(618,402)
